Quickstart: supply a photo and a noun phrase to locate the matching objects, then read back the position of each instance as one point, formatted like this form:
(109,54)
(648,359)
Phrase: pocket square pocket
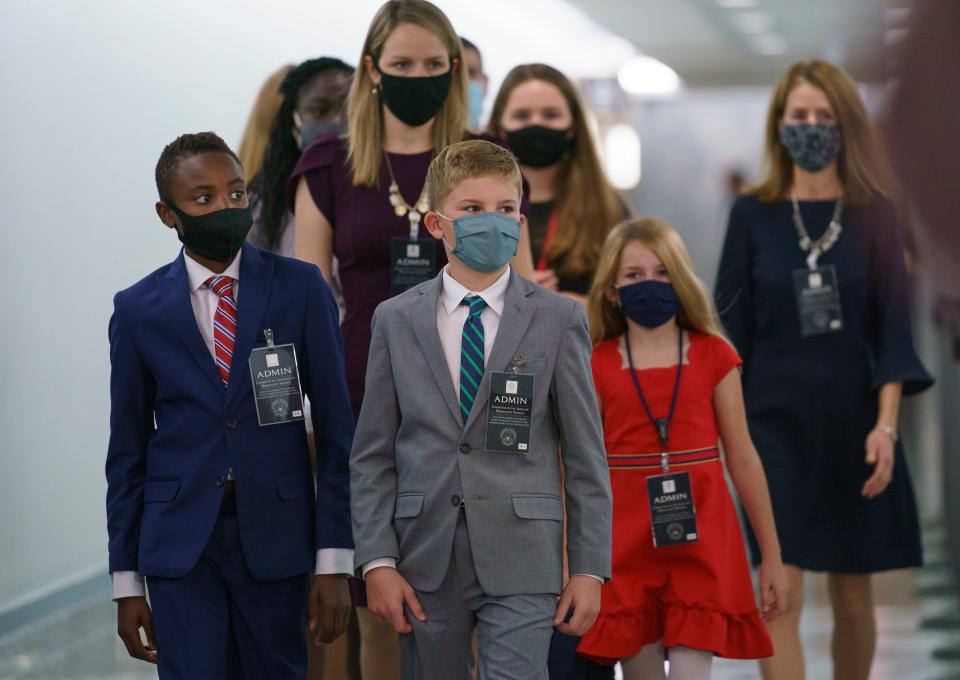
(538,507)
(408,505)
(294,485)
(160,490)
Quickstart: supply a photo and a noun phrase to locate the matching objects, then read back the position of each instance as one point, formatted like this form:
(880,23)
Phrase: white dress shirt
(204,302)
(451,315)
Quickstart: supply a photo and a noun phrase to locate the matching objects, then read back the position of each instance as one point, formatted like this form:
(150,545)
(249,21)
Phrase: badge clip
(663,434)
(268,336)
(516,362)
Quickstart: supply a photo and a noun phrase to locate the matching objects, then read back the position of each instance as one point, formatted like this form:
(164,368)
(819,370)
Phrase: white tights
(685,664)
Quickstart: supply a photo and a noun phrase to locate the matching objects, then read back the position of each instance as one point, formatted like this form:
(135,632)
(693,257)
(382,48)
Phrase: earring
(375,90)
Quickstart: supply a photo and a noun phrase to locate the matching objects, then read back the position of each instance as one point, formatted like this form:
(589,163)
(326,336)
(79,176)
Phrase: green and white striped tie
(471,354)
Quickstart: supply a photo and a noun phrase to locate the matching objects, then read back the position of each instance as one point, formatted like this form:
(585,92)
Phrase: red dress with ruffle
(697,595)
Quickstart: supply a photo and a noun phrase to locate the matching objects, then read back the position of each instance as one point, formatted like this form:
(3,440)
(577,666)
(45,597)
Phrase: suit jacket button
(221,480)
(465,448)
(455,501)
(231,422)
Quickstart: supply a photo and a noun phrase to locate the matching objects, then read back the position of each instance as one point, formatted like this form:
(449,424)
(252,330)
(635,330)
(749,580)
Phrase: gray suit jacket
(413,458)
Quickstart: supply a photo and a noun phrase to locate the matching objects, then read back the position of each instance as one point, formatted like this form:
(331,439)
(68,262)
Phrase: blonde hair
(697,312)
(467,160)
(862,163)
(364,109)
(587,206)
(256,134)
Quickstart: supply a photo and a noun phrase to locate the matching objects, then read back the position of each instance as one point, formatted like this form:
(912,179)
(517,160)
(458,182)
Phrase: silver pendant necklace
(815,249)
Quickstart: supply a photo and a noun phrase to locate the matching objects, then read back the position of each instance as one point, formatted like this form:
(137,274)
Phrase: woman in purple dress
(361,197)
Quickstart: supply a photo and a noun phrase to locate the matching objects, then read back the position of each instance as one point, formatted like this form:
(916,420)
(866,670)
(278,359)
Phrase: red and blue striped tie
(224,324)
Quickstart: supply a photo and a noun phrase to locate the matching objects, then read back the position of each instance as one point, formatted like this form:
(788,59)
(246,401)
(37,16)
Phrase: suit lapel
(425,327)
(514,321)
(256,274)
(178,308)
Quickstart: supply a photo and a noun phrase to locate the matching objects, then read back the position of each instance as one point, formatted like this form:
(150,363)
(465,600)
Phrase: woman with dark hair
(312,101)
(812,289)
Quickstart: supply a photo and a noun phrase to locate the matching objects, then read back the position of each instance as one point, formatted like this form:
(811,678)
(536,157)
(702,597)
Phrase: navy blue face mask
(649,303)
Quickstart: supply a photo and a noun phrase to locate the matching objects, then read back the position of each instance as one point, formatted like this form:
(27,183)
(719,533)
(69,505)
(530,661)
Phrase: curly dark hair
(185,146)
(282,152)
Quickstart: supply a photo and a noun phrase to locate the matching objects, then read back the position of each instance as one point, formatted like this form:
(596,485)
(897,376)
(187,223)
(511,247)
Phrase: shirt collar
(452,292)
(197,274)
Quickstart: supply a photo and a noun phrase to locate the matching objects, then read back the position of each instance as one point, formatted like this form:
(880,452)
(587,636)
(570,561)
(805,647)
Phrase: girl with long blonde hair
(813,291)
(669,393)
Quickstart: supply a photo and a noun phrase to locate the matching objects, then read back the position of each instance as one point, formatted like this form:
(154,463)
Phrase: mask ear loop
(443,238)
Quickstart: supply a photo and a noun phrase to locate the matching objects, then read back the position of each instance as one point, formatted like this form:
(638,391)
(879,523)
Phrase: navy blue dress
(812,401)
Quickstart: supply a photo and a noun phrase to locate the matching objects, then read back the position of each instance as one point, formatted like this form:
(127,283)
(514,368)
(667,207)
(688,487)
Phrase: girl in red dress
(668,388)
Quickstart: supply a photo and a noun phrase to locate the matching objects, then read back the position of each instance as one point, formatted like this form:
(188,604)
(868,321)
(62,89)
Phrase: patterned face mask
(812,147)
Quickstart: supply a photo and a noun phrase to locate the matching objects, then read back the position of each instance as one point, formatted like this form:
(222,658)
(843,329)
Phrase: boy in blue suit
(209,499)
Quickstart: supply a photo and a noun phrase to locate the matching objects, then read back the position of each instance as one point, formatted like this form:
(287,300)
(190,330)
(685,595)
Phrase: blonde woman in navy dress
(813,291)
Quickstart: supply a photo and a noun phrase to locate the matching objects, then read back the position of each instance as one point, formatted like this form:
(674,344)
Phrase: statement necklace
(400,207)
(817,248)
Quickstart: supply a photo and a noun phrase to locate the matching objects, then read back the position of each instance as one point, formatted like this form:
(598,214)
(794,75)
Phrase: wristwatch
(889,431)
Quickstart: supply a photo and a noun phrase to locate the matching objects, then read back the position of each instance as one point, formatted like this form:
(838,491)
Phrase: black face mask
(538,146)
(415,100)
(217,235)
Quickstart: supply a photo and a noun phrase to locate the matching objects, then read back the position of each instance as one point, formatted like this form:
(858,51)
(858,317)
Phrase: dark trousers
(217,621)
(565,664)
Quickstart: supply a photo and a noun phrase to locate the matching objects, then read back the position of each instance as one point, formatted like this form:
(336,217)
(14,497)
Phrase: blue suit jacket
(175,429)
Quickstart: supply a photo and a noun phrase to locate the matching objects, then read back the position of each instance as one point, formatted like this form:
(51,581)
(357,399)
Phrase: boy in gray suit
(478,385)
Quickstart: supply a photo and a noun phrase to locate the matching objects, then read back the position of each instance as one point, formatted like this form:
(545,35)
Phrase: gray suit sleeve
(373,473)
(586,477)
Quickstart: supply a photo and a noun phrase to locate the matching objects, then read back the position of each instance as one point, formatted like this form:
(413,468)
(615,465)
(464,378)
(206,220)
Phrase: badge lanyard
(551,230)
(661,424)
(815,249)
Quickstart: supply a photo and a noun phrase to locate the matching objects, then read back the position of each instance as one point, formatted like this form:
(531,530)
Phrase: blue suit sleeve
(333,425)
(734,290)
(132,398)
(891,337)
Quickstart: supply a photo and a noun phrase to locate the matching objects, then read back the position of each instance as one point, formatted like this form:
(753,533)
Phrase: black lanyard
(662,425)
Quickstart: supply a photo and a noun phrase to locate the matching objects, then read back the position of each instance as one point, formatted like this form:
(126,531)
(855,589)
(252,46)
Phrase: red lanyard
(551,230)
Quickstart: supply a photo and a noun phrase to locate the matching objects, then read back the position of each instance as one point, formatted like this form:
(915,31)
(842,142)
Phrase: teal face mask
(475,93)
(484,242)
